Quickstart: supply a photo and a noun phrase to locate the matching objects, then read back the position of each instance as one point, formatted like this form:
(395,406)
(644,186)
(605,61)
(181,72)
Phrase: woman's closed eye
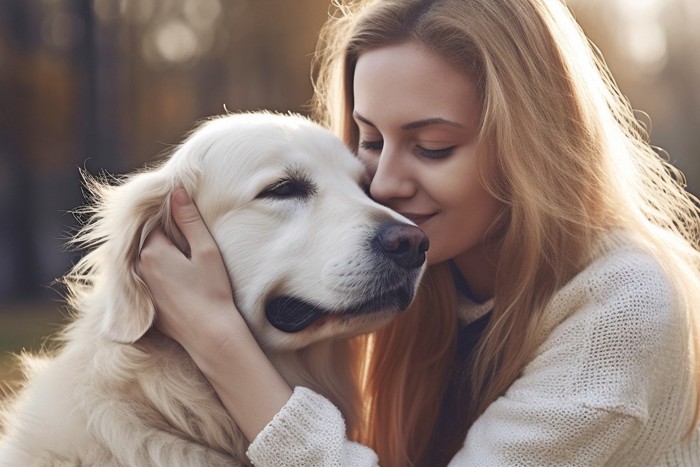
(435,153)
(440,153)
(372,145)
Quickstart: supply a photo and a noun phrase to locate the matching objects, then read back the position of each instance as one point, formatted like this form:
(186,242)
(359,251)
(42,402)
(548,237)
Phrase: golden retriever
(313,261)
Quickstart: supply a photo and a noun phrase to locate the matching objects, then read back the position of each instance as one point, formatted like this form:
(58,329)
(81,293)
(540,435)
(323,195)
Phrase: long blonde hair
(559,146)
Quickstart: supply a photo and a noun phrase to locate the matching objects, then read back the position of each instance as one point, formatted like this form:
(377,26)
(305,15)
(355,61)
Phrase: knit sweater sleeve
(309,430)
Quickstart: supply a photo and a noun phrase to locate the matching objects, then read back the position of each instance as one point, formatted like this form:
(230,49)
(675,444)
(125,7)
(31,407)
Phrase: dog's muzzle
(399,253)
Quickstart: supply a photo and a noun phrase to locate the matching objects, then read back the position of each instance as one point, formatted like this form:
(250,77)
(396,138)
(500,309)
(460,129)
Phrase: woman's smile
(417,219)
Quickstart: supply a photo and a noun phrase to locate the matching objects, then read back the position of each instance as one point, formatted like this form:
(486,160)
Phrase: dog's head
(309,255)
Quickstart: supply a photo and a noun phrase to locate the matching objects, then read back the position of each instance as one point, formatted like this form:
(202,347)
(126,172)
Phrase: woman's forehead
(407,83)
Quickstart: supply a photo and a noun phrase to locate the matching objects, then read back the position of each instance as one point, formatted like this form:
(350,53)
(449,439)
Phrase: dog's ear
(125,215)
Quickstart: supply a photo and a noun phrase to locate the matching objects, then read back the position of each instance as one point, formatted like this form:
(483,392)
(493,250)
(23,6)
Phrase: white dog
(313,261)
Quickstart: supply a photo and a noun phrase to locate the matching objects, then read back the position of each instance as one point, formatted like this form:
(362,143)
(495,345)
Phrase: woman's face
(418,120)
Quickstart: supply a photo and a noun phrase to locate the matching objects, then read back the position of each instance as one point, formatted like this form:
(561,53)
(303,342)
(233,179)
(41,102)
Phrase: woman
(558,320)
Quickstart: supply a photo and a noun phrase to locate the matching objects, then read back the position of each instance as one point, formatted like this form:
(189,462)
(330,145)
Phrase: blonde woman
(557,324)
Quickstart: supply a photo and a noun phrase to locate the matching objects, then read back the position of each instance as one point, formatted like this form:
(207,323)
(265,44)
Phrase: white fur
(119,393)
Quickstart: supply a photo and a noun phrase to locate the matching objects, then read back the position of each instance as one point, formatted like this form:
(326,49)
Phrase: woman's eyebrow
(431,121)
(414,125)
(359,117)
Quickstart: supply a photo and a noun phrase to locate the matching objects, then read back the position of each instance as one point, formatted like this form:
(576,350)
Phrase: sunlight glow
(641,32)
(174,31)
(175,41)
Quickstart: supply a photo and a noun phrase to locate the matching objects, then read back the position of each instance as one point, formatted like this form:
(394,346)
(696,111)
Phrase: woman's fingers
(158,256)
(190,223)
(157,242)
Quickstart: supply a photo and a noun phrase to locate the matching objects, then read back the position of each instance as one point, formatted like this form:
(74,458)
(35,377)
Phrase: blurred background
(106,85)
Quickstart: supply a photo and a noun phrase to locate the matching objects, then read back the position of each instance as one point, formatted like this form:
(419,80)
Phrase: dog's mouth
(291,314)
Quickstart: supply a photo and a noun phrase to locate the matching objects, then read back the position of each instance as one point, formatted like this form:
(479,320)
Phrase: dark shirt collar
(468,309)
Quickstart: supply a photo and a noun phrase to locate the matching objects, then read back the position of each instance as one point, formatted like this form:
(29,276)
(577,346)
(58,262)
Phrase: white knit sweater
(608,385)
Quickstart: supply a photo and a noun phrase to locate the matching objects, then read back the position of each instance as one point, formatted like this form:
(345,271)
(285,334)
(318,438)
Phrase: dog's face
(310,256)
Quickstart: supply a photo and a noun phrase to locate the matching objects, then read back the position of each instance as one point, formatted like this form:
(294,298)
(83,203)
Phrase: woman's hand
(192,295)
(194,304)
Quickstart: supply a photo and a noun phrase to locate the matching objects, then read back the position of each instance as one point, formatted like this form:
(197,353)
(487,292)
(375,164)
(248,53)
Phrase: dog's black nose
(403,243)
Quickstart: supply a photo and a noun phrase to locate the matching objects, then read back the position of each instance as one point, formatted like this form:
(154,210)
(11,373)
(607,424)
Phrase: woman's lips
(417,219)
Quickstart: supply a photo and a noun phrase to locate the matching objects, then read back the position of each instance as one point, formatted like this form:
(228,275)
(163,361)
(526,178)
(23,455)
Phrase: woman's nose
(392,178)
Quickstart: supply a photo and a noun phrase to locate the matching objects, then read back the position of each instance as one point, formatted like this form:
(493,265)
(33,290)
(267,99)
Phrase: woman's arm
(195,307)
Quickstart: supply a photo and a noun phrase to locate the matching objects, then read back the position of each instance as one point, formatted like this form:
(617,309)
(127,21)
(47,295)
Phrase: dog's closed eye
(297,187)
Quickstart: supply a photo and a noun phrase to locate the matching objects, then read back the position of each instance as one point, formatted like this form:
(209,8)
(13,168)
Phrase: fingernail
(181,197)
